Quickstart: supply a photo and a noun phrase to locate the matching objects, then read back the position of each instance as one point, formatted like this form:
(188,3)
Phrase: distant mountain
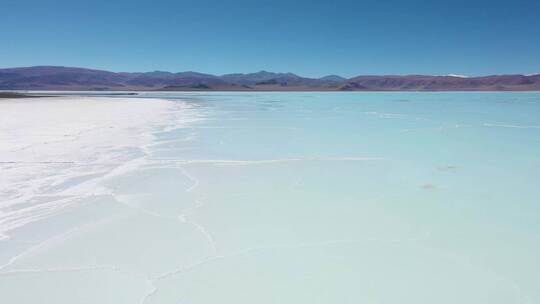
(167,79)
(333,78)
(51,77)
(443,83)
(68,78)
(259,77)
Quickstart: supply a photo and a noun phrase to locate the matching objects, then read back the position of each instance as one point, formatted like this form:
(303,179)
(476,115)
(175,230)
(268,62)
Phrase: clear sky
(308,37)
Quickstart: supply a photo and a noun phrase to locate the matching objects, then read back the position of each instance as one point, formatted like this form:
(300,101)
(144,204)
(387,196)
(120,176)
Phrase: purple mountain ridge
(70,78)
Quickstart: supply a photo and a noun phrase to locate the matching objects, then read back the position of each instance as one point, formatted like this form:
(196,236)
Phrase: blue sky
(311,38)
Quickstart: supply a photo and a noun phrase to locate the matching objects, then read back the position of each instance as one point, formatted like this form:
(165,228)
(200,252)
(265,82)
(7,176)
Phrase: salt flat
(271,197)
(50,145)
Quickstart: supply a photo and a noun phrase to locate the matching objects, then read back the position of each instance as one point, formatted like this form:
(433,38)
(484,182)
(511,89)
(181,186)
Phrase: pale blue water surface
(308,198)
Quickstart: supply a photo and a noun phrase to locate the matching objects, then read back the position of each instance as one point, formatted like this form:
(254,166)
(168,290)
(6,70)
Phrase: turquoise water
(316,198)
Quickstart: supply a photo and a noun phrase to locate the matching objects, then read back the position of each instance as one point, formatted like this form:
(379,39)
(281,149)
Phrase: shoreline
(16,95)
(137,93)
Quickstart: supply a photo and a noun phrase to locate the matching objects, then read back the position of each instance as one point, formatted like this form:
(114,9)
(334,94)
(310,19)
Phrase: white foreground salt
(47,144)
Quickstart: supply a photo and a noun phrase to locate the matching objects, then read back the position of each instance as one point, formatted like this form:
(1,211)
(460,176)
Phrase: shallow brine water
(281,198)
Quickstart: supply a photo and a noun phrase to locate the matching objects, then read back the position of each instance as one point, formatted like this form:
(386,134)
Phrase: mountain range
(69,78)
